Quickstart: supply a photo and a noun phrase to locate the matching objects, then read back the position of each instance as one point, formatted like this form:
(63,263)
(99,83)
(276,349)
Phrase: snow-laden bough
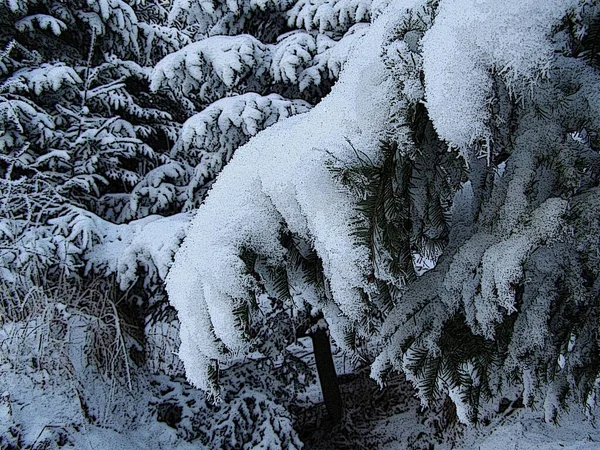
(281,179)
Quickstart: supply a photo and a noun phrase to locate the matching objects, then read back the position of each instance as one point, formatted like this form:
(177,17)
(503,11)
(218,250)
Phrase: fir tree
(496,311)
(463,250)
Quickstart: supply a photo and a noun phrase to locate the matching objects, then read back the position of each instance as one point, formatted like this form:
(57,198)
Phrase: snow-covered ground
(49,408)
(526,430)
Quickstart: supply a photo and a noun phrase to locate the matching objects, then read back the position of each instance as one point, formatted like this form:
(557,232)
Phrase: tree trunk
(327,375)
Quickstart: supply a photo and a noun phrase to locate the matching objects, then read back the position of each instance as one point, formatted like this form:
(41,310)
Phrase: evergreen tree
(454,227)
(509,300)
(80,128)
(93,97)
(271,256)
(431,207)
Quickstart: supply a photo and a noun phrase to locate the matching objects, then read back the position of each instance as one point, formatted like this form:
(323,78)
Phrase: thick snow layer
(470,40)
(281,178)
(209,138)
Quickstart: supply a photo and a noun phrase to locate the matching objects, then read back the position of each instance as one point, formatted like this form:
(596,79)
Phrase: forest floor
(393,419)
(41,412)
(378,419)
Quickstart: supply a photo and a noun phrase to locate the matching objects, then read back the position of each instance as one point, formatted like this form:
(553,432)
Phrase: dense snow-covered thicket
(79,130)
(434,211)
(94,96)
(512,300)
(462,133)
(116,117)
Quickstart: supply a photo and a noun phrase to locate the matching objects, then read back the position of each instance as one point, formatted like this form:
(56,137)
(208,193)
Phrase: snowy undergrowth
(48,410)
(72,377)
(64,359)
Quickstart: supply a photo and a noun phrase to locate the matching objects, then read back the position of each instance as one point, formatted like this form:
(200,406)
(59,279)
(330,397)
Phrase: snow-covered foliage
(434,211)
(91,151)
(79,130)
(327,15)
(251,420)
(510,82)
(127,251)
(292,55)
(210,68)
(75,132)
(234,73)
(263,17)
(298,63)
(228,123)
(111,22)
(480,46)
(487,315)
(47,77)
(208,139)
(291,191)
